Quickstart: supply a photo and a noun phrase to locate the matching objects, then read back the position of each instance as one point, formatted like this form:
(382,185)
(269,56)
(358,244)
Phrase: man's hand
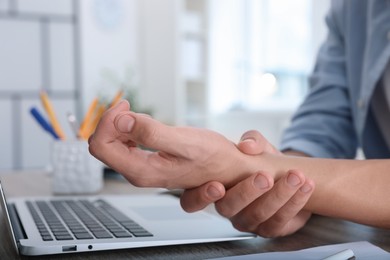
(252,205)
(180,157)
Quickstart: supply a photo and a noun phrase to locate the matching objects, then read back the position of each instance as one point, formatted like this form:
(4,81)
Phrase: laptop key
(74,231)
(121,234)
(124,220)
(112,230)
(83,236)
(102,234)
(64,237)
(47,238)
(46,233)
(142,234)
(61,233)
(81,218)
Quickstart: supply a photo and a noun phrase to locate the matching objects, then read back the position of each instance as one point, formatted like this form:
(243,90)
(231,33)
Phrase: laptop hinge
(16,223)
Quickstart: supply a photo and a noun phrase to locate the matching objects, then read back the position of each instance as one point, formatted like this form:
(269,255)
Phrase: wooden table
(319,231)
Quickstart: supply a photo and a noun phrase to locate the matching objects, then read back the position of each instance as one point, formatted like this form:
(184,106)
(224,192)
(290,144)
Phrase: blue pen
(42,122)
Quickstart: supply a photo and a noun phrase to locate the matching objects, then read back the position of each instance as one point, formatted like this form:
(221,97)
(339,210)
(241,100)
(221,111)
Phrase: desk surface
(319,231)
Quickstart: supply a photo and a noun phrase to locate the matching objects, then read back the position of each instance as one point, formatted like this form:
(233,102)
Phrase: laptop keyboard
(82,219)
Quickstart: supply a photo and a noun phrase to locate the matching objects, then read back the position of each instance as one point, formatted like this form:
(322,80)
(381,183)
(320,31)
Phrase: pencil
(52,117)
(87,119)
(90,128)
(117,98)
(98,116)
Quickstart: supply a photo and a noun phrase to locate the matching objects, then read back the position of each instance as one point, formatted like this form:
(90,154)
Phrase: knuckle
(259,216)
(243,199)
(148,136)
(191,203)
(144,181)
(94,148)
(282,195)
(91,148)
(240,226)
(223,210)
(245,194)
(185,205)
(271,230)
(295,203)
(136,182)
(266,232)
(279,219)
(276,228)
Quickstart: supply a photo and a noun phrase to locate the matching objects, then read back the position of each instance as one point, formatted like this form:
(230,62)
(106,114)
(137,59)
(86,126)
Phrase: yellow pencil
(87,118)
(50,112)
(117,98)
(92,124)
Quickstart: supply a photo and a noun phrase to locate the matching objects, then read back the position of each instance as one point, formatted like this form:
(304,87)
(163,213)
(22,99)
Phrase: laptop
(57,225)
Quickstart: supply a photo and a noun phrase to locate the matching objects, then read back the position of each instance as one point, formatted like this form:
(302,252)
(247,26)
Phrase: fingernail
(125,123)
(306,188)
(120,102)
(213,192)
(248,139)
(293,179)
(261,182)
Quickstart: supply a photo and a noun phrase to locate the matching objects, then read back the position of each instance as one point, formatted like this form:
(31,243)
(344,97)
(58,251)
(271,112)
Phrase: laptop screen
(4,208)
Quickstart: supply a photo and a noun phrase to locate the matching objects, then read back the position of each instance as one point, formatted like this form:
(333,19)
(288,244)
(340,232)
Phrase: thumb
(124,122)
(253,142)
(198,198)
(105,130)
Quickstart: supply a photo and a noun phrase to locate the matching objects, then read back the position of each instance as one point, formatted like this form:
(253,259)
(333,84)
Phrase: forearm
(349,189)
(295,153)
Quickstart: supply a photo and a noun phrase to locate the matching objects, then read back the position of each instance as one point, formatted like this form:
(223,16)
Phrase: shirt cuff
(307,147)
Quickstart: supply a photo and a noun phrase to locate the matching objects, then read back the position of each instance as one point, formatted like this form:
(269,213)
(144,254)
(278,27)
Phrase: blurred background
(227,65)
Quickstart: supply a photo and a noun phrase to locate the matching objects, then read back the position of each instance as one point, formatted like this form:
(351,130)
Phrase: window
(261,52)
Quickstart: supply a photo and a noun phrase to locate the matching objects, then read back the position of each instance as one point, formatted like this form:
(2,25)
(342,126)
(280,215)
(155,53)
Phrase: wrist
(295,153)
(267,163)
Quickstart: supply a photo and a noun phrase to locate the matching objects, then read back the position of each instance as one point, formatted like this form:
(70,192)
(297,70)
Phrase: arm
(355,190)
(323,125)
(179,157)
(284,201)
(189,157)
(349,189)
(312,133)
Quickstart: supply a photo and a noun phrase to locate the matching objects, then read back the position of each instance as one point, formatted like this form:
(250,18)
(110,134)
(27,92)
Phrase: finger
(144,114)
(284,221)
(266,206)
(90,138)
(198,198)
(243,193)
(110,146)
(253,142)
(105,132)
(153,134)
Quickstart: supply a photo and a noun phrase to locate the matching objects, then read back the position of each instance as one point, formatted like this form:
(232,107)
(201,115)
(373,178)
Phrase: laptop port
(69,248)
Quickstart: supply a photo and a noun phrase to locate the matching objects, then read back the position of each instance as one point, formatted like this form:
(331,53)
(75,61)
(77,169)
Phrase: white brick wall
(61,46)
(37,50)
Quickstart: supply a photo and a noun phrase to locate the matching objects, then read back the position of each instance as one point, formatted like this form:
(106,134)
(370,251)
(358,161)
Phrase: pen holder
(75,170)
